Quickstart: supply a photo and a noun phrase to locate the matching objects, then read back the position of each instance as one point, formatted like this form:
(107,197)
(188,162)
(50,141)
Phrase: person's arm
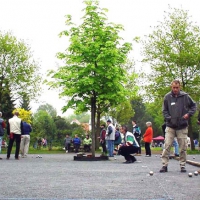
(21,127)
(110,130)
(130,140)
(165,110)
(3,124)
(8,128)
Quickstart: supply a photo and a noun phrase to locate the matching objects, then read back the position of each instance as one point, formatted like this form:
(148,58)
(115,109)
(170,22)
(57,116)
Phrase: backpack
(1,128)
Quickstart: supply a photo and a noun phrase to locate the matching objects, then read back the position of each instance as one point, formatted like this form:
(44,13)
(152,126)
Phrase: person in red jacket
(147,138)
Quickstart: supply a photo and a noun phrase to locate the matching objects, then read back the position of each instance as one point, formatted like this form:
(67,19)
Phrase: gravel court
(58,176)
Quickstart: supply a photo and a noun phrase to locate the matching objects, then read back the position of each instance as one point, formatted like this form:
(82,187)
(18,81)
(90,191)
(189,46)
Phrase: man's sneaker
(163,169)
(66,151)
(176,155)
(147,156)
(183,169)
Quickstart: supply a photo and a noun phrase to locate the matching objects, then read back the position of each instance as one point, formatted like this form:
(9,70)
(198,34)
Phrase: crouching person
(130,146)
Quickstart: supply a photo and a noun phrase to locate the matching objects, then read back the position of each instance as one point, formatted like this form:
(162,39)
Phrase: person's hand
(186,116)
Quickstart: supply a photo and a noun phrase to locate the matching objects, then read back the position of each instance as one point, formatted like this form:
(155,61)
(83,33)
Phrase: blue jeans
(176,147)
(0,143)
(110,147)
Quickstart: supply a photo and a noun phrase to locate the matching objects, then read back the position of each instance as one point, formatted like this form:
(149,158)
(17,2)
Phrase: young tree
(93,73)
(24,115)
(173,52)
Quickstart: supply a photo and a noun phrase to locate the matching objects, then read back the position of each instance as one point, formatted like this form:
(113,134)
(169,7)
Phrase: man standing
(129,146)
(2,127)
(178,107)
(25,139)
(14,130)
(110,137)
(137,134)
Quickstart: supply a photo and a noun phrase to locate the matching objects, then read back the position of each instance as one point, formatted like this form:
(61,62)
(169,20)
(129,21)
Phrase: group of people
(130,142)
(18,131)
(178,107)
(76,141)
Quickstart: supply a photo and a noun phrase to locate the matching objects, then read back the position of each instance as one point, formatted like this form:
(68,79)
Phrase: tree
(93,74)
(7,104)
(24,115)
(173,52)
(25,102)
(17,68)
(43,125)
(49,109)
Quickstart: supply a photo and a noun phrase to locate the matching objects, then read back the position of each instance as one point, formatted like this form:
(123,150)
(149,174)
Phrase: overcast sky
(38,23)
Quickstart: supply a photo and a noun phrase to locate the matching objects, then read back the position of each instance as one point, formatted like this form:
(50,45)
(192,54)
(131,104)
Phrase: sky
(38,23)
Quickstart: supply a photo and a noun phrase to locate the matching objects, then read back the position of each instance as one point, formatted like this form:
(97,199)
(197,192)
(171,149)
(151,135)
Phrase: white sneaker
(64,148)
(66,151)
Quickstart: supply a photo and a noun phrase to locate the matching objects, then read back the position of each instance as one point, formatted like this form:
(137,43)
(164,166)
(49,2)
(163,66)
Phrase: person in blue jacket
(25,139)
(77,143)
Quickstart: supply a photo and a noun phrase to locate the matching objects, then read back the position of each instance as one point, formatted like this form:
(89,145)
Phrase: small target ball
(193,157)
(190,174)
(196,173)
(115,158)
(151,173)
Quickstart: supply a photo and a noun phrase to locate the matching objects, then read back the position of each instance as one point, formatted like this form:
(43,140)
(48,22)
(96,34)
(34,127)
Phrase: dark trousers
(103,145)
(87,148)
(127,150)
(76,147)
(17,139)
(139,149)
(67,147)
(147,148)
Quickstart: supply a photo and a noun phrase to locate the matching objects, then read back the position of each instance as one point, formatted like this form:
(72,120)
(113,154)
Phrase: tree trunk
(97,130)
(93,112)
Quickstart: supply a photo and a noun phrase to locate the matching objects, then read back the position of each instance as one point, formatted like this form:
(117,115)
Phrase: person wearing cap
(2,128)
(14,130)
(110,137)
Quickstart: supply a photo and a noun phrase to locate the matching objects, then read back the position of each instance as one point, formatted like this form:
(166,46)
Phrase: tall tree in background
(49,109)
(7,104)
(173,52)
(24,101)
(93,74)
(18,67)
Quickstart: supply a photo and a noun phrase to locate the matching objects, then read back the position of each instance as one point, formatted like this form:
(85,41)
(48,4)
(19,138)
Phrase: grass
(59,150)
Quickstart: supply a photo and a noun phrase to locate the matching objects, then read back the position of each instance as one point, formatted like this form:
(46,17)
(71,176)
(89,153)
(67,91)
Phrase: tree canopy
(18,71)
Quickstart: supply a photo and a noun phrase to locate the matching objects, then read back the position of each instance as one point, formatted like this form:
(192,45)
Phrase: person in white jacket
(14,130)
(110,138)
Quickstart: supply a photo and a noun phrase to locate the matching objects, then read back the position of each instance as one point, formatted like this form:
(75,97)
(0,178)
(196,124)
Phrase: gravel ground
(59,177)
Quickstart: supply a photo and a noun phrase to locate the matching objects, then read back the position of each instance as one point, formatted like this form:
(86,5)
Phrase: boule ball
(196,173)
(151,173)
(190,174)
